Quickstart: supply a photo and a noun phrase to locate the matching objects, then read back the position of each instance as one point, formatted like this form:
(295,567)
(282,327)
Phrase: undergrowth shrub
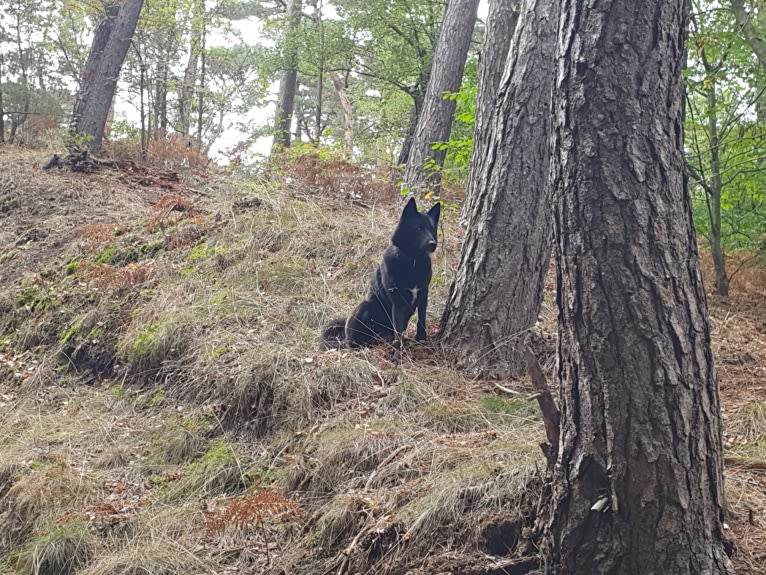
(172,152)
(327,172)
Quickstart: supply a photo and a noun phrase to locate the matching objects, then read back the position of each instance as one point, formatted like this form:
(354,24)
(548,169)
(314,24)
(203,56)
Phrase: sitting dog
(398,287)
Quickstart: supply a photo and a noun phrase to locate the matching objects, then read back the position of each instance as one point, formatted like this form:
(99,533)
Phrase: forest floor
(164,407)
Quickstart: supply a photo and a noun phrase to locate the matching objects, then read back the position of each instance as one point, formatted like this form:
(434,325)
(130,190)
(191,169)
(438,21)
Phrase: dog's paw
(396,356)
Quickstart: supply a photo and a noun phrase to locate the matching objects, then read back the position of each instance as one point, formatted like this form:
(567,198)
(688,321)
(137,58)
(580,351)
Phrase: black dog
(398,286)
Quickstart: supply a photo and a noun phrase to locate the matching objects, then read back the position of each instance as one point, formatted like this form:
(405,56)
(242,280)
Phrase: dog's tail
(334,334)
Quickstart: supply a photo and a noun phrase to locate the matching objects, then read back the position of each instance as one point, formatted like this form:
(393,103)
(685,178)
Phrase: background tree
(498,290)
(752,25)
(102,70)
(393,46)
(501,22)
(638,485)
(435,120)
(288,84)
(725,137)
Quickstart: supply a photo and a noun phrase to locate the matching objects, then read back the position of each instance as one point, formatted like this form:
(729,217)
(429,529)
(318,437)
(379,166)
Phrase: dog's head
(416,232)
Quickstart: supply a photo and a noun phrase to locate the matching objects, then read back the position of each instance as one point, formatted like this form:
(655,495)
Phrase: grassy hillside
(165,409)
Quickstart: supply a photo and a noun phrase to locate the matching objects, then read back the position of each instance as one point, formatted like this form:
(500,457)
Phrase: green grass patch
(35,299)
(203,251)
(515,407)
(217,472)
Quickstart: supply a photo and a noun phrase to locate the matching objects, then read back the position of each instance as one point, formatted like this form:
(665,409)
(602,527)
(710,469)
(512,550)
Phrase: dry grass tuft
(183,446)
(49,491)
(161,557)
(339,520)
(61,550)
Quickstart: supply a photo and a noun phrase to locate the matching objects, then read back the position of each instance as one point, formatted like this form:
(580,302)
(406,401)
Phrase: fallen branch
(551,415)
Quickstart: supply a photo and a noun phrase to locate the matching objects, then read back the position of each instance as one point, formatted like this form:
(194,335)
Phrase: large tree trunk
(498,291)
(103,69)
(435,121)
(501,22)
(288,85)
(638,486)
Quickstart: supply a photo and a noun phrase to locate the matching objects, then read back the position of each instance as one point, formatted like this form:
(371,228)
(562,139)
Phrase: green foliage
(203,251)
(106,256)
(112,256)
(725,132)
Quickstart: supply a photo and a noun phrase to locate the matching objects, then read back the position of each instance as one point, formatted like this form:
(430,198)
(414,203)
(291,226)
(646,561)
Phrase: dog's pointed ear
(435,212)
(410,208)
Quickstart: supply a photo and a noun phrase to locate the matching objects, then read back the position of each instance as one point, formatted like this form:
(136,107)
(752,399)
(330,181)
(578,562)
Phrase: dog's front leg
(420,335)
(399,317)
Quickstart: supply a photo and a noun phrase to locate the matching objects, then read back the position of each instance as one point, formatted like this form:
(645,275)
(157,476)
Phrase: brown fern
(106,276)
(100,233)
(252,512)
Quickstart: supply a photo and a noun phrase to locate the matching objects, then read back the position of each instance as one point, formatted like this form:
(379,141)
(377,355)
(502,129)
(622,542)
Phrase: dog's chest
(414,292)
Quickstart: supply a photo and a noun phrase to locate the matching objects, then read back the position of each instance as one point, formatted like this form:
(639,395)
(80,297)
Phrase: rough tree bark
(638,486)
(501,23)
(288,84)
(435,120)
(498,290)
(110,45)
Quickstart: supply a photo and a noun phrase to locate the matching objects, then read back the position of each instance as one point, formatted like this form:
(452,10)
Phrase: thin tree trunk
(201,94)
(100,90)
(186,95)
(298,117)
(21,118)
(161,96)
(501,23)
(288,84)
(348,112)
(417,106)
(498,291)
(2,108)
(714,198)
(435,121)
(752,35)
(638,486)
(144,133)
(320,75)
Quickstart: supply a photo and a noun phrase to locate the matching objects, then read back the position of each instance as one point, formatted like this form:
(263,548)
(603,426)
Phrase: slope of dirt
(165,409)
